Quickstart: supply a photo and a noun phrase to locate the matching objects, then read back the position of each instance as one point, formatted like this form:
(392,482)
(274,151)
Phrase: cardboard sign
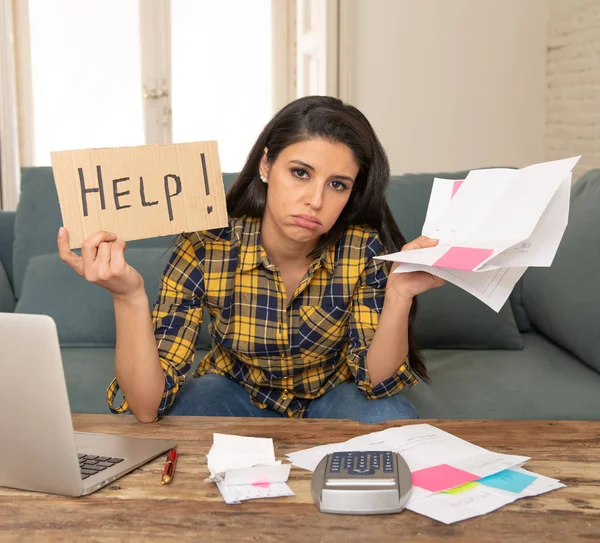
(140,192)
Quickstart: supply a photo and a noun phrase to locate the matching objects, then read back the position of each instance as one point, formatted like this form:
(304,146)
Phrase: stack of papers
(491,226)
(244,468)
(453,479)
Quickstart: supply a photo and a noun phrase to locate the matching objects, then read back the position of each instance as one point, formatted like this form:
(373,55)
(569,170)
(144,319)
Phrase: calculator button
(362,471)
(362,463)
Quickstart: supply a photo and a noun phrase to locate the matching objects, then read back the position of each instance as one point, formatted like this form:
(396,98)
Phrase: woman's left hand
(404,286)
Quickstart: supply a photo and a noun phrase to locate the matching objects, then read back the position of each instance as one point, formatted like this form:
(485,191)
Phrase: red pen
(169,469)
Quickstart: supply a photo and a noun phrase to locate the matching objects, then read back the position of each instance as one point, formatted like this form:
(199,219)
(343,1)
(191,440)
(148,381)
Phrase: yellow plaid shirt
(284,350)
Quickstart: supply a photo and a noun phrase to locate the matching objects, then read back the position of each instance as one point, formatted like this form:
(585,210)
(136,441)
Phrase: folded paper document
(492,226)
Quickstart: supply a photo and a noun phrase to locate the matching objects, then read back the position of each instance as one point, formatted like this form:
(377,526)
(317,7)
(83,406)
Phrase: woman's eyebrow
(309,167)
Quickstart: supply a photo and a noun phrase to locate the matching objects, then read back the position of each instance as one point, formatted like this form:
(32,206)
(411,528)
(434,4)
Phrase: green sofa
(538,358)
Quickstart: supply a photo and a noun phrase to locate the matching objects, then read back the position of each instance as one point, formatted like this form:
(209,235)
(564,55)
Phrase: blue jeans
(217,396)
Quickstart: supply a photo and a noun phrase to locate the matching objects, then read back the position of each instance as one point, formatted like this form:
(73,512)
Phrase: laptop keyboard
(91,464)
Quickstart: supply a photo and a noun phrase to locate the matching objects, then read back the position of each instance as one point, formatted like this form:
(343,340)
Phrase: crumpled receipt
(244,468)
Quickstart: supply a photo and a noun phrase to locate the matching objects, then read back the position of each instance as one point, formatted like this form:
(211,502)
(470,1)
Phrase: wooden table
(138,508)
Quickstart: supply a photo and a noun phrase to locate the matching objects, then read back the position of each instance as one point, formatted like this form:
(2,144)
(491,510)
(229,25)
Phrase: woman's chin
(302,235)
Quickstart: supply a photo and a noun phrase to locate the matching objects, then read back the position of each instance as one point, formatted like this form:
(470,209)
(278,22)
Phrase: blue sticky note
(512,481)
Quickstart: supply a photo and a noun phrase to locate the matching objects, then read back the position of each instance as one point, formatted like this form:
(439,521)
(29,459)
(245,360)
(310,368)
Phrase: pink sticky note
(462,258)
(455,187)
(262,485)
(442,477)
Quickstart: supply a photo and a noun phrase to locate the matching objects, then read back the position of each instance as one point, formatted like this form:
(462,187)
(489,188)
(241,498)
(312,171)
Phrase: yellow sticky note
(462,488)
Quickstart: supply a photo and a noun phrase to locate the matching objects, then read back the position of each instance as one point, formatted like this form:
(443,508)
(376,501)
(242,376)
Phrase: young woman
(304,321)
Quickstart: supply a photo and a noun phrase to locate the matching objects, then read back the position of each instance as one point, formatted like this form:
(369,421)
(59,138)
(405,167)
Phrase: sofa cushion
(563,301)
(542,381)
(516,303)
(87,373)
(448,317)
(83,311)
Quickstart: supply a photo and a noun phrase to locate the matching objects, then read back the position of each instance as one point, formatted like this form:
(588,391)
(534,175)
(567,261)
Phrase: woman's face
(308,186)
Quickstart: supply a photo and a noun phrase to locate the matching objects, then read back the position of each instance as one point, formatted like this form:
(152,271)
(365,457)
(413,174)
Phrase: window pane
(85,65)
(221,74)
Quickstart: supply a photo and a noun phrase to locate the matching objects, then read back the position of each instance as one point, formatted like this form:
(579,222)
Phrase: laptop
(39,450)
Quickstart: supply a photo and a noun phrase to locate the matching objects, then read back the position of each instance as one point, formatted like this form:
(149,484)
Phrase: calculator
(361,483)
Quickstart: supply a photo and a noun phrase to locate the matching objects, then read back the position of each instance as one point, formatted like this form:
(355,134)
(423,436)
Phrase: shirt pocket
(323,329)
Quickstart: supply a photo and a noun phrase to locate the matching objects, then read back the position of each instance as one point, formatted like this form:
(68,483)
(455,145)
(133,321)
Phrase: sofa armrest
(7,236)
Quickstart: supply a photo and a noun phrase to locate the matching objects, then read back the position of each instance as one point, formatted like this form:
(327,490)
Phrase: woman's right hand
(102,262)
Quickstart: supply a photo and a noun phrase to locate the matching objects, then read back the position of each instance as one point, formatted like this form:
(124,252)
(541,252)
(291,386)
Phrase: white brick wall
(573,71)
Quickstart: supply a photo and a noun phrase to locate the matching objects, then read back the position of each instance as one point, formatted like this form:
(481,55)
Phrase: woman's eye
(338,185)
(300,173)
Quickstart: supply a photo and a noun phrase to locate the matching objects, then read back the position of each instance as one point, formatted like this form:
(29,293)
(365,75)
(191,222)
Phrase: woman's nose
(314,196)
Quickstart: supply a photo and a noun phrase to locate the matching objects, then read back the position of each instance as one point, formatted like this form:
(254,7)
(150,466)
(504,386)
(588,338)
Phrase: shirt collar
(328,258)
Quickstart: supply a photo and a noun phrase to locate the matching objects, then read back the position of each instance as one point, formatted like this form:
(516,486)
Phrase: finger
(425,281)
(102,262)
(89,248)
(117,258)
(65,253)
(422,242)
(437,281)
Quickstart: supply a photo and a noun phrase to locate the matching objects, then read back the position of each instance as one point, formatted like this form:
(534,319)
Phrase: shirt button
(282,356)
(284,396)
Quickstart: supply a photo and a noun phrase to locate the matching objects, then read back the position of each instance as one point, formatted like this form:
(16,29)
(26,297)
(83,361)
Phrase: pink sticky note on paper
(262,485)
(462,258)
(442,477)
(455,187)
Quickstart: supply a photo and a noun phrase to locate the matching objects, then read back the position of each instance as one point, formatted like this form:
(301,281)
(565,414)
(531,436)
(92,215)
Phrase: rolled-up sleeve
(177,317)
(367,304)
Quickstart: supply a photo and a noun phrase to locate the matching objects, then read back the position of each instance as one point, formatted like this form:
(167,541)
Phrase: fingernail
(61,231)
